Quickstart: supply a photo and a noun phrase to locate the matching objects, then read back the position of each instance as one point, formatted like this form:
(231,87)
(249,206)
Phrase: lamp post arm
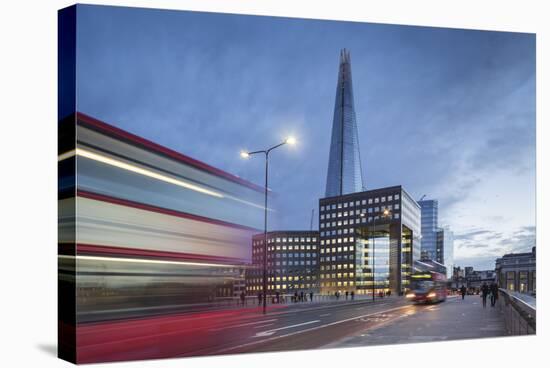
(276,146)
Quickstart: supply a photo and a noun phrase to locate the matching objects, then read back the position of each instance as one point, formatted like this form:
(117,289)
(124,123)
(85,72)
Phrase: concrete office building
(292,262)
(356,234)
(518,271)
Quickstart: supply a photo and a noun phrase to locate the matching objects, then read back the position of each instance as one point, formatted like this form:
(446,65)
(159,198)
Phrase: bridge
(321,323)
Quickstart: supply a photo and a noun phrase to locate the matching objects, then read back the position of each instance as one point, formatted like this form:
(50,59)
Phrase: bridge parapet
(519,314)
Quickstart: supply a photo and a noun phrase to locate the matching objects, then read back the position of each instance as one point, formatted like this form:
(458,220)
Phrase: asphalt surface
(291,327)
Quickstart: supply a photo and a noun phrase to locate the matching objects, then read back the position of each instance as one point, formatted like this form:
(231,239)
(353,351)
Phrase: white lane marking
(324,315)
(221,351)
(271,332)
(269,324)
(244,324)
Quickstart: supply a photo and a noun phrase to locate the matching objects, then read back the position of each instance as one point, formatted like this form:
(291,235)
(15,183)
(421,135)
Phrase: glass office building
(429,210)
(362,248)
(344,173)
(444,252)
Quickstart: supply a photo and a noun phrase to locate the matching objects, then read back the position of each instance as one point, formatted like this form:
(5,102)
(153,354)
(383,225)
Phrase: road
(289,327)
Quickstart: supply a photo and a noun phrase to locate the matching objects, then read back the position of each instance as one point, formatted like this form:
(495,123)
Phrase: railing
(519,316)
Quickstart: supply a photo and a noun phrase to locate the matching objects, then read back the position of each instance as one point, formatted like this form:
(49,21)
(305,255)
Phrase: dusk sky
(444,112)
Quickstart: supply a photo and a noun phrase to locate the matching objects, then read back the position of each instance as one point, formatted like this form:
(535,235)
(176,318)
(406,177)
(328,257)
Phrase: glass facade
(429,210)
(344,173)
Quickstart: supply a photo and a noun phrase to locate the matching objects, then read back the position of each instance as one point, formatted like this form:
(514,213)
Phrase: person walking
(494,293)
(242,298)
(484,294)
(347,294)
(352,295)
(259,298)
(311,296)
(463,291)
(277,295)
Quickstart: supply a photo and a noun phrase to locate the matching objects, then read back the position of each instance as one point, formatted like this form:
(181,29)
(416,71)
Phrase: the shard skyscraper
(344,166)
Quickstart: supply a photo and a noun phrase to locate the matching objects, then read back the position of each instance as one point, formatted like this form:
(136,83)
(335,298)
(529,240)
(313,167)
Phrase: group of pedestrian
(486,291)
(489,289)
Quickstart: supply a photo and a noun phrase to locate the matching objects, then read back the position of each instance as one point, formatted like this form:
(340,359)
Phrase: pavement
(451,320)
(289,327)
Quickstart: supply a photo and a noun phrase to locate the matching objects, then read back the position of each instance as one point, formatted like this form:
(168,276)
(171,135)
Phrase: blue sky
(444,112)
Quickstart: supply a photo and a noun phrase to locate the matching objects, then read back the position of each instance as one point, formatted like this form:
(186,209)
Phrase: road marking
(271,332)
(269,324)
(221,351)
(244,324)
(324,315)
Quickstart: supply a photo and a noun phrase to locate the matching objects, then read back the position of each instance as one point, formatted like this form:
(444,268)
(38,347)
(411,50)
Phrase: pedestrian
(463,291)
(494,293)
(311,296)
(295,296)
(352,295)
(242,298)
(259,298)
(301,296)
(277,297)
(347,293)
(484,294)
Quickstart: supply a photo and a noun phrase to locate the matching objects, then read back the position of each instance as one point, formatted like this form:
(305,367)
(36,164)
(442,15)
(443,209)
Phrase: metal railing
(519,316)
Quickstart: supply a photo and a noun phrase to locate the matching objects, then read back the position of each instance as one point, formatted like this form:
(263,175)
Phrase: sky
(448,113)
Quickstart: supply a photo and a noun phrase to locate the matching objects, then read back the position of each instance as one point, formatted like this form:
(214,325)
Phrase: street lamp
(246,154)
(386,214)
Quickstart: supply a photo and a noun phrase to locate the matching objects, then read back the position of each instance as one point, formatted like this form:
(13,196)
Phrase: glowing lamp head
(245,154)
(291,141)
(386,212)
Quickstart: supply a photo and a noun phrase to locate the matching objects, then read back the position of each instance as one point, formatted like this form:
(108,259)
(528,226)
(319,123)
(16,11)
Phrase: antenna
(311,222)
(421,198)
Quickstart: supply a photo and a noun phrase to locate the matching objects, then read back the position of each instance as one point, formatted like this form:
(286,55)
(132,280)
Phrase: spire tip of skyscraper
(344,56)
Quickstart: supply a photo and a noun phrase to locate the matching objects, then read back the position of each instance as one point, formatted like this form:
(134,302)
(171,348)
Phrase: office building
(356,234)
(292,262)
(518,271)
(444,252)
(428,247)
(344,174)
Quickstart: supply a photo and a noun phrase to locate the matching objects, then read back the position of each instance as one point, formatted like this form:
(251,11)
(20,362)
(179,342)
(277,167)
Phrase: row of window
(286,240)
(339,266)
(337,241)
(282,287)
(337,275)
(337,258)
(363,202)
(362,220)
(359,212)
(285,247)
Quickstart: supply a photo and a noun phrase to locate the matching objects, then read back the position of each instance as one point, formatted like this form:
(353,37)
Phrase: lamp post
(246,154)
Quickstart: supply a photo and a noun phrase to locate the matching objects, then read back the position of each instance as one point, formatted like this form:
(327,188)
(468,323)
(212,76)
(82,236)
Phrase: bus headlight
(431,295)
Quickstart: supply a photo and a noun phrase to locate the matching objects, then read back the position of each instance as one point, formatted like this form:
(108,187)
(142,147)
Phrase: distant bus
(428,287)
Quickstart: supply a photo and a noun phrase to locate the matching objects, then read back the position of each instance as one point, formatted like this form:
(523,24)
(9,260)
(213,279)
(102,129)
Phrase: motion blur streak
(149,261)
(149,233)
(139,170)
